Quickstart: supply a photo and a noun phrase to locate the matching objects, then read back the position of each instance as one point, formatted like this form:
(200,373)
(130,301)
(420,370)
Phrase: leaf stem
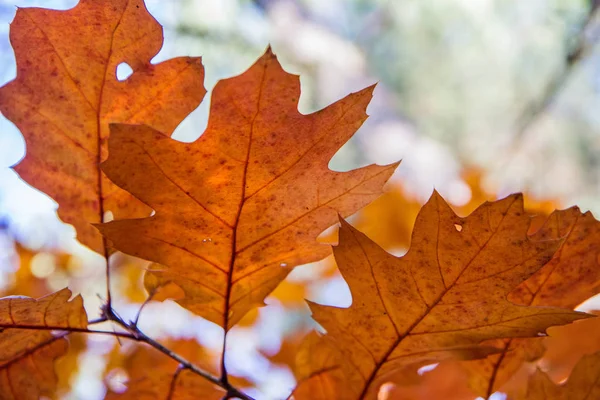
(107,258)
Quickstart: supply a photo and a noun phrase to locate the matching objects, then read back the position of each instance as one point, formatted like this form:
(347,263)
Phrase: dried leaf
(443,298)
(567,344)
(66,93)
(27,355)
(571,277)
(583,384)
(241,206)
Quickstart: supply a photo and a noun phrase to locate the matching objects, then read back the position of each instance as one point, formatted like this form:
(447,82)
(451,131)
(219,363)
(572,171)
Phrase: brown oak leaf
(583,384)
(442,299)
(569,278)
(242,205)
(66,93)
(28,348)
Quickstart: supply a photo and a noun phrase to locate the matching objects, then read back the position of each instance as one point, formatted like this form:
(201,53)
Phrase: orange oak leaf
(28,347)
(583,384)
(66,93)
(241,206)
(443,298)
(569,278)
(567,344)
(564,347)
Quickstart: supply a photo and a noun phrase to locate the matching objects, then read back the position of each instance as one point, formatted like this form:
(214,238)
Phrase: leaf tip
(435,195)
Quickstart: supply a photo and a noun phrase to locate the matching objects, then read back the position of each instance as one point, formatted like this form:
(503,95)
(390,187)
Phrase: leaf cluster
(226,218)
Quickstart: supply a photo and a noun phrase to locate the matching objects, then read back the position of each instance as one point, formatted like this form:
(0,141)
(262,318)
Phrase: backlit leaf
(443,298)
(28,348)
(241,206)
(569,278)
(583,384)
(66,93)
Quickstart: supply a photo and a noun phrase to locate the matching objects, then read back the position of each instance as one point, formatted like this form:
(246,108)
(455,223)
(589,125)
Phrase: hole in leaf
(385,391)
(117,379)
(426,368)
(458,227)
(108,216)
(124,71)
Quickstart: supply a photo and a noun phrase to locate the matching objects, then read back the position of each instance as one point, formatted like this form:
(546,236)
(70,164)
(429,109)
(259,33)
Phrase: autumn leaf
(66,93)
(28,348)
(569,278)
(567,344)
(241,206)
(583,384)
(443,298)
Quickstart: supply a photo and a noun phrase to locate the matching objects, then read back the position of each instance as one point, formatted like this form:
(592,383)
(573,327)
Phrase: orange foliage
(571,277)
(151,375)
(238,209)
(441,300)
(28,349)
(583,384)
(250,196)
(66,93)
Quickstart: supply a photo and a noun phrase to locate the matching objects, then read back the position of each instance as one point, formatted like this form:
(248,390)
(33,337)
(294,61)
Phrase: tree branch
(138,335)
(134,333)
(65,329)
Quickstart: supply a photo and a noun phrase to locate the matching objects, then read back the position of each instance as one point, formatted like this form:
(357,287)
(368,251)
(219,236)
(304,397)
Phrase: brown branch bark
(138,335)
(134,333)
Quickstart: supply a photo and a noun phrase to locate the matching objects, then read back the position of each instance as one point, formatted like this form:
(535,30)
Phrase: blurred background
(479,98)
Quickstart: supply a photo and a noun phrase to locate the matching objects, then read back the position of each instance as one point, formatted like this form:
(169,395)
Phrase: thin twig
(180,368)
(148,299)
(139,336)
(134,333)
(107,258)
(97,321)
(126,335)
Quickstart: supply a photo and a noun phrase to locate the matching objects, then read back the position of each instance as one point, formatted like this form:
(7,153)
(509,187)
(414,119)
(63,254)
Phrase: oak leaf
(567,344)
(583,384)
(569,278)
(443,298)
(241,206)
(66,93)
(28,348)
